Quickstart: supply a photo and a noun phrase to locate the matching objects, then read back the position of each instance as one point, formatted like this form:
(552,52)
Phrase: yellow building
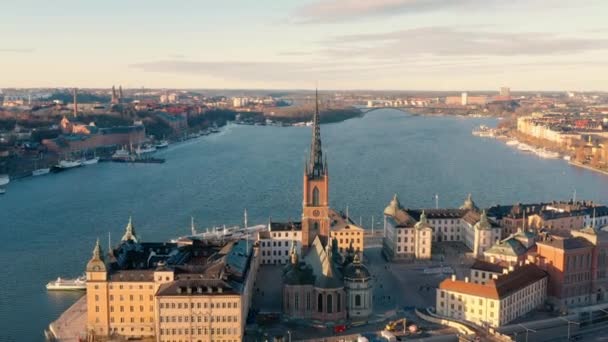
(496,302)
(189,290)
(346,233)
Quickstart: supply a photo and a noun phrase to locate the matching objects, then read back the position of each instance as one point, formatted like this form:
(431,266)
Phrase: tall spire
(130,232)
(316,167)
(97,251)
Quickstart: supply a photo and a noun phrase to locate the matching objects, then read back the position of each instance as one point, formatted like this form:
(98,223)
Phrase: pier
(71,326)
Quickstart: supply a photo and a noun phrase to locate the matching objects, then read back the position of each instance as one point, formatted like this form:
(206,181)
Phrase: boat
(525,147)
(512,142)
(547,154)
(4,179)
(567,158)
(122,155)
(144,149)
(162,144)
(2,191)
(67,164)
(40,172)
(91,161)
(60,284)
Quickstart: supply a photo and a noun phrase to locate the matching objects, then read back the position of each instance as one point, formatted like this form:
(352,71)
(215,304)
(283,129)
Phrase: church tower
(315,204)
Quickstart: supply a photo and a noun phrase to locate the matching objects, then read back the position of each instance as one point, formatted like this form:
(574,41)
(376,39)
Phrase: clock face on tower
(316,213)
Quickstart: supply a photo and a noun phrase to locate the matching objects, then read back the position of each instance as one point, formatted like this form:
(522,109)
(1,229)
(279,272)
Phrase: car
(339,328)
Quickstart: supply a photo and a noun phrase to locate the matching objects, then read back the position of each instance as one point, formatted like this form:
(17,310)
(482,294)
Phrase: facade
(577,267)
(346,232)
(499,301)
(513,249)
(409,233)
(190,290)
(357,281)
(276,242)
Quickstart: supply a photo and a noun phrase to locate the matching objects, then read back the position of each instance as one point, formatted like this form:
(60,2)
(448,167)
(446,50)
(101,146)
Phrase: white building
(403,241)
(497,302)
(275,243)
(358,286)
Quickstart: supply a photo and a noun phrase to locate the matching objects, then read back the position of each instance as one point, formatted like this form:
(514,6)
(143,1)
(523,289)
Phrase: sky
(296,44)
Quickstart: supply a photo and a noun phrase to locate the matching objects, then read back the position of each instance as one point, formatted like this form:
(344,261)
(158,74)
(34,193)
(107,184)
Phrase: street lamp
(569,322)
(528,330)
(289,335)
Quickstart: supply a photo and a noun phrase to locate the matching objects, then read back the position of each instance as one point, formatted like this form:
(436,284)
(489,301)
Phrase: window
(315,197)
(330,306)
(358,300)
(297,301)
(338,303)
(320,303)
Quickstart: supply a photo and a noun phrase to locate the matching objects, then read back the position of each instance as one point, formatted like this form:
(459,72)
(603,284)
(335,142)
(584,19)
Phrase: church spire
(97,251)
(316,167)
(130,232)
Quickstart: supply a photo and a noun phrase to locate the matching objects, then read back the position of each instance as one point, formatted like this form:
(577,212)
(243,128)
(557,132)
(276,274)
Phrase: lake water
(48,225)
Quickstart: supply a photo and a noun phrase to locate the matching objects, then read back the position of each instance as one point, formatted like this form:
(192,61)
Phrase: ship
(4,179)
(145,149)
(2,191)
(162,144)
(60,284)
(122,155)
(66,165)
(91,161)
(40,172)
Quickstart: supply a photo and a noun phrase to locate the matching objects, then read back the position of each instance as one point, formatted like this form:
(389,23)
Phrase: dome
(423,223)
(96,264)
(393,207)
(483,223)
(356,270)
(469,204)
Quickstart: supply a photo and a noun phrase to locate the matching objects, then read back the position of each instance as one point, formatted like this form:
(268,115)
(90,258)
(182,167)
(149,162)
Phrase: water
(49,224)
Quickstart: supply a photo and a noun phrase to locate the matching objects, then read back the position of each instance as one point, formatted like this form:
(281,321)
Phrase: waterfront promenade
(71,325)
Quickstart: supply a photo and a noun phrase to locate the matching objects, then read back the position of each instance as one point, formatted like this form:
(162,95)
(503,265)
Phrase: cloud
(328,11)
(17,50)
(453,42)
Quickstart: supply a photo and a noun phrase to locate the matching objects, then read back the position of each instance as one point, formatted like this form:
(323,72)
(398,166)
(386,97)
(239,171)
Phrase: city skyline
(342,44)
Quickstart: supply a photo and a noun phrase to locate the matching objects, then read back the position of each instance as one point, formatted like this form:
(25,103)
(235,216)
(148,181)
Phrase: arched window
(338,300)
(297,302)
(315,197)
(357,300)
(315,226)
(330,306)
(320,303)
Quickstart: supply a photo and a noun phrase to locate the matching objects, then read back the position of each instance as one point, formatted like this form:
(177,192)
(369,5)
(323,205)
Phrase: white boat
(144,149)
(2,191)
(547,154)
(512,142)
(162,144)
(525,147)
(4,179)
(40,172)
(68,164)
(121,155)
(567,158)
(91,161)
(60,284)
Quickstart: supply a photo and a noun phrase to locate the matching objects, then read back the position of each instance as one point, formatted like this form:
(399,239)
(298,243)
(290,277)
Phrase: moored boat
(162,144)
(122,155)
(91,161)
(145,149)
(40,172)
(60,284)
(2,191)
(66,165)
(512,142)
(4,179)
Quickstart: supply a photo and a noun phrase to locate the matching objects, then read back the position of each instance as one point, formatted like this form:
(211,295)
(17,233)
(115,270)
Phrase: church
(324,279)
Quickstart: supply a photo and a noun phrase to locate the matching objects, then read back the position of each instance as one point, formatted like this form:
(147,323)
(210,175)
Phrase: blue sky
(342,44)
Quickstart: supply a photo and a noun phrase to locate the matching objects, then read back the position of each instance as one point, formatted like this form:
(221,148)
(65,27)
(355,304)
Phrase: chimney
(466,279)
(505,271)
(494,276)
(493,259)
(453,277)
(527,261)
(511,268)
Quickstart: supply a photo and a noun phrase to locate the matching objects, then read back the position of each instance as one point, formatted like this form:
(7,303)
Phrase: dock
(71,326)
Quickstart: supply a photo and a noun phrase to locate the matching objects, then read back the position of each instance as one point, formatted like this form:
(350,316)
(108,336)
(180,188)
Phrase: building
(409,233)
(577,267)
(329,283)
(505,92)
(276,242)
(513,249)
(170,291)
(498,301)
